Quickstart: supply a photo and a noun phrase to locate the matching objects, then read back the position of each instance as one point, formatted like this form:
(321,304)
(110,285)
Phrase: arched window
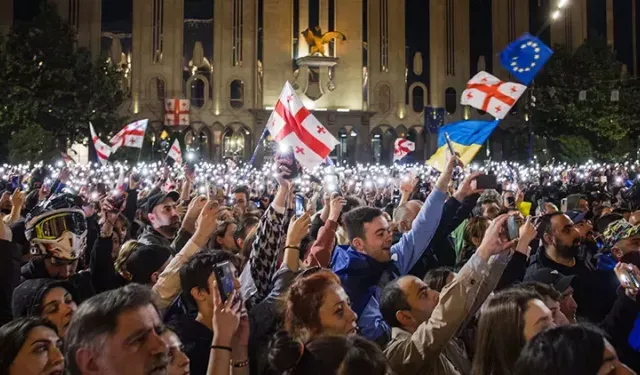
(157,90)
(188,138)
(236,94)
(418,99)
(376,146)
(450,100)
(198,92)
(233,145)
(343,150)
(203,140)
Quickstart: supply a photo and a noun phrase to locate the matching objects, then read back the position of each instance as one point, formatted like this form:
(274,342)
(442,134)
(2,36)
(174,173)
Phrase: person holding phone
(209,280)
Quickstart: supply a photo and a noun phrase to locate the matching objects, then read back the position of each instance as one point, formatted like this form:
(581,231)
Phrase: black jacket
(441,252)
(150,237)
(592,290)
(197,339)
(81,281)
(10,261)
(103,272)
(622,324)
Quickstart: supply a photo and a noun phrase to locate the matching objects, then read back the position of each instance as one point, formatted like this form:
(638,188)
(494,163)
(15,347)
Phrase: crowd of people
(218,269)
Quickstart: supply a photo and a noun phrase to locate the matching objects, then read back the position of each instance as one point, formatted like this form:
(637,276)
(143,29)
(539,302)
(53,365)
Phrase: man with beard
(164,219)
(559,251)
(117,332)
(589,247)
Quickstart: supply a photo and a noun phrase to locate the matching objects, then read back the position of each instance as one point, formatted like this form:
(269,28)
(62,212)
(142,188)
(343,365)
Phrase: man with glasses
(57,233)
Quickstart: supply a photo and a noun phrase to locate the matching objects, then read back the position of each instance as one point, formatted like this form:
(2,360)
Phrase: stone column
(278,51)
(437,52)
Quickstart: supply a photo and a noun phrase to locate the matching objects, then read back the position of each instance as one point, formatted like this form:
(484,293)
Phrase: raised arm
(411,246)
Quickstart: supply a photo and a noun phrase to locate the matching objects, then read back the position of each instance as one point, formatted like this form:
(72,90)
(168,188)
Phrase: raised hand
(226,316)
(495,238)
(207,223)
(337,204)
(298,229)
(468,187)
(193,211)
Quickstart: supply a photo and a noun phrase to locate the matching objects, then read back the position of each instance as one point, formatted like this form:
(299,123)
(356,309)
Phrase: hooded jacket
(28,296)
(81,281)
(363,278)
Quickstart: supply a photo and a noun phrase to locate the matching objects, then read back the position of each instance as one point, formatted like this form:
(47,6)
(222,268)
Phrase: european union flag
(525,57)
(433,118)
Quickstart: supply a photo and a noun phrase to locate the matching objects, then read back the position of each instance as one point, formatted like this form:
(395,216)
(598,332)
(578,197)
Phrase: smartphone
(224,277)
(511,201)
(487,181)
(299,206)
(631,277)
(563,204)
(288,160)
(513,229)
(451,150)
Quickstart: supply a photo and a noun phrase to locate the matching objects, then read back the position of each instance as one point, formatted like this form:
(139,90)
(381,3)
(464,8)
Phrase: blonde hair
(125,252)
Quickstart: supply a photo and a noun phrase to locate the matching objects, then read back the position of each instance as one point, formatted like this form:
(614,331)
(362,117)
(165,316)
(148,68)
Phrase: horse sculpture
(316,40)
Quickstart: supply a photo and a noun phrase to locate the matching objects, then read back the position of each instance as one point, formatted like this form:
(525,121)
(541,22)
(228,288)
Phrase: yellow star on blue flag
(525,57)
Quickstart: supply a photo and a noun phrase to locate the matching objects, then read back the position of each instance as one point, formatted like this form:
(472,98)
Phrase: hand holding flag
(292,125)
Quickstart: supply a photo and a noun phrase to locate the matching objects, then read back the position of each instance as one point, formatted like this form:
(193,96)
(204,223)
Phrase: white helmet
(57,228)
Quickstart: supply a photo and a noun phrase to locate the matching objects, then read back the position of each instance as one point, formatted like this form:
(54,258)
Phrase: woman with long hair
(316,304)
(326,355)
(508,321)
(30,346)
(570,350)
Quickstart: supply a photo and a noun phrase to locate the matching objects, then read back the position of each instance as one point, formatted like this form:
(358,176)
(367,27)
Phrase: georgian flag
(131,135)
(102,149)
(402,147)
(175,153)
(489,94)
(292,125)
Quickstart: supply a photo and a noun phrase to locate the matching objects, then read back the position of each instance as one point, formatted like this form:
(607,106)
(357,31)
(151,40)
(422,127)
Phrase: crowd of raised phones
(457,273)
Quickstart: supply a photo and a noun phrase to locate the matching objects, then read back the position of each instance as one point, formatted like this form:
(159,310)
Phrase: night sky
(117,17)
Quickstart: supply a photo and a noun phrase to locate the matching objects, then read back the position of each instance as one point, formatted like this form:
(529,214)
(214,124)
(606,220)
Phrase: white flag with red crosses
(292,125)
(487,93)
(102,149)
(131,135)
(175,152)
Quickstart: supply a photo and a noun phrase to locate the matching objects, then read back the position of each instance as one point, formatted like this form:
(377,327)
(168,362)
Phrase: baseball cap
(576,216)
(155,200)
(554,278)
(618,231)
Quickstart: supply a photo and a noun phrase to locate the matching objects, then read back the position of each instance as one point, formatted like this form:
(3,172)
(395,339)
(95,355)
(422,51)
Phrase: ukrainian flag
(467,137)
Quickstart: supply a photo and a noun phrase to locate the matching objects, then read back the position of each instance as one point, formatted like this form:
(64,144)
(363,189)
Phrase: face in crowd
(564,237)
(164,217)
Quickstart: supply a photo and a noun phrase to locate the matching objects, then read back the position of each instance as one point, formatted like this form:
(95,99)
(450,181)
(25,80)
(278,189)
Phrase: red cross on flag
(176,112)
(402,147)
(488,93)
(102,149)
(292,125)
(175,152)
(131,135)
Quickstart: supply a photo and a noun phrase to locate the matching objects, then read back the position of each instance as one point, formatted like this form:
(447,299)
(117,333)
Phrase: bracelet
(219,347)
(241,364)
(292,247)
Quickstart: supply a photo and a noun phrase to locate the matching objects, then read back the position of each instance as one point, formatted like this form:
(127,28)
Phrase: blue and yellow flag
(467,137)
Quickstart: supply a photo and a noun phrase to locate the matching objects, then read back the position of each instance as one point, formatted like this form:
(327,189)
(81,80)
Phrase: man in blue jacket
(371,261)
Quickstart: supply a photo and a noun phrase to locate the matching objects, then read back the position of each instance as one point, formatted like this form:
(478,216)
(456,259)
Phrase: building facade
(401,59)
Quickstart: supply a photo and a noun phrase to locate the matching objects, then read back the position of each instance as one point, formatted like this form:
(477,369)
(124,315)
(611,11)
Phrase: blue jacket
(363,278)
